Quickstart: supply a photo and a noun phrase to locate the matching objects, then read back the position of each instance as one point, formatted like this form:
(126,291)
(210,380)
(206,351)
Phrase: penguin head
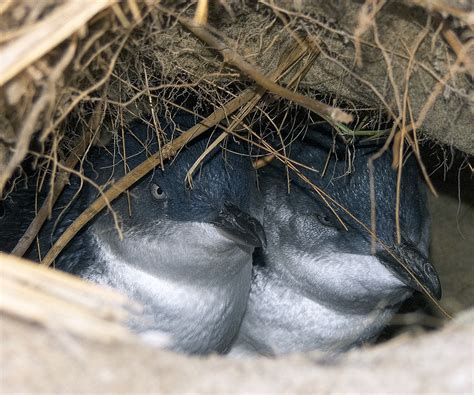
(162,202)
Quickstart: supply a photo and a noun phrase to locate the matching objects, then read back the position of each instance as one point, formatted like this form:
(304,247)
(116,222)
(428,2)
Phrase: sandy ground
(35,360)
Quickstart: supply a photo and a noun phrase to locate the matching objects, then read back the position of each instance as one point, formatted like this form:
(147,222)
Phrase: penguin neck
(280,319)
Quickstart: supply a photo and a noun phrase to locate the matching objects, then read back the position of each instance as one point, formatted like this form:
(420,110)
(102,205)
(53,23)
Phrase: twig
(89,90)
(262,162)
(45,98)
(398,146)
(61,181)
(50,32)
(444,8)
(288,59)
(238,61)
(458,48)
(438,88)
(366,18)
(200,16)
(214,144)
(153,115)
(120,15)
(135,10)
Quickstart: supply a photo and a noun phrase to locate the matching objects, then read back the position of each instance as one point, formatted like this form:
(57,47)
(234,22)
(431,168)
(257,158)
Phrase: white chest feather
(331,312)
(197,303)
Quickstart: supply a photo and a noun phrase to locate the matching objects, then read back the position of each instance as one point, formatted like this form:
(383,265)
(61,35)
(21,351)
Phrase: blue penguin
(317,286)
(186,254)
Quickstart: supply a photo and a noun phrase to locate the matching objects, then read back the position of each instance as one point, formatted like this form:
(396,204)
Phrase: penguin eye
(157,192)
(324,219)
(428,269)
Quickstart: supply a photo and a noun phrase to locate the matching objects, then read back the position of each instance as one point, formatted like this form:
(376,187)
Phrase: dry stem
(238,61)
(46,35)
(59,184)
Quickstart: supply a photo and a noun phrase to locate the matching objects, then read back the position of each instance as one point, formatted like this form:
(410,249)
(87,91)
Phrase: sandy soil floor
(35,360)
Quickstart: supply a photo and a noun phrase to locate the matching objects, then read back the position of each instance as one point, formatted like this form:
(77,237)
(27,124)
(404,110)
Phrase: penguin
(184,253)
(317,285)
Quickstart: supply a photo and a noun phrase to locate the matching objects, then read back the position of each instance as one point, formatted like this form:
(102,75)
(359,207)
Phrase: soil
(35,360)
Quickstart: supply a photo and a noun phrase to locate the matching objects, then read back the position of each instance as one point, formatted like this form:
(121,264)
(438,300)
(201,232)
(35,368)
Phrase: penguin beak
(421,268)
(240,227)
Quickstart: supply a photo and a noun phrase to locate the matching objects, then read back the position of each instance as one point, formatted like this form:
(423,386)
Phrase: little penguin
(317,286)
(186,253)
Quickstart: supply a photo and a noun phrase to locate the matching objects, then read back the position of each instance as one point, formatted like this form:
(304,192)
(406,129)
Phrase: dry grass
(62,302)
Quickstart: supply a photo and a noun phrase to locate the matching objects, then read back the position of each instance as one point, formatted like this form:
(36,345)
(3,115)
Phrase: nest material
(96,64)
(62,302)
